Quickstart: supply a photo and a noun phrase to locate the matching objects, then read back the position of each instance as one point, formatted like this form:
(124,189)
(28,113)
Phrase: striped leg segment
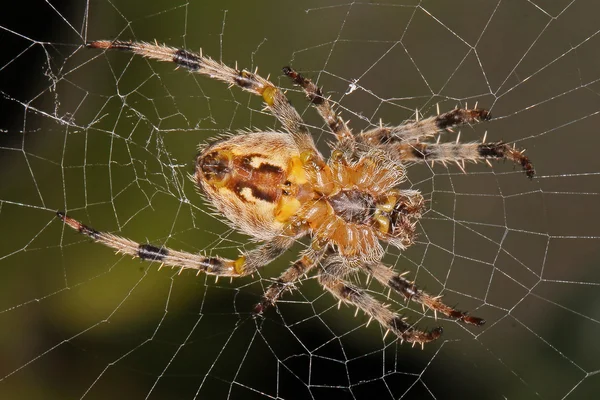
(244,265)
(315,95)
(331,279)
(406,141)
(275,100)
(387,277)
(424,128)
(286,280)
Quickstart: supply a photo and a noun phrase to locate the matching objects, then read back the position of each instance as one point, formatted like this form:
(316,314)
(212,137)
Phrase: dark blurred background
(110,139)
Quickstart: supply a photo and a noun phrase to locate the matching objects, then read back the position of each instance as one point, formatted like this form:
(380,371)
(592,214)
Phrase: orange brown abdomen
(246,176)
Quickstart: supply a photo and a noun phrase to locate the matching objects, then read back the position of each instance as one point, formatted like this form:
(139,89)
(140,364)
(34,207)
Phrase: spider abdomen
(247,178)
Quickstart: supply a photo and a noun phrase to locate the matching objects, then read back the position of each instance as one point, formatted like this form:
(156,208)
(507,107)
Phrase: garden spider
(277,187)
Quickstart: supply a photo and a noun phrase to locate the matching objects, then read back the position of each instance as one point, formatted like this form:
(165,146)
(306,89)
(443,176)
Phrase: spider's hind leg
(387,277)
(251,82)
(246,264)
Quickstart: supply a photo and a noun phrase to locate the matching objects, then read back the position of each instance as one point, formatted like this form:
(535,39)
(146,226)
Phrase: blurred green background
(110,138)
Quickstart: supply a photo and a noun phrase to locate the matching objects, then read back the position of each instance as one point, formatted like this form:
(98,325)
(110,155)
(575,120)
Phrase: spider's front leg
(387,277)
(404,142)
(420,129)
(246,264)
(458,153)
(331,277)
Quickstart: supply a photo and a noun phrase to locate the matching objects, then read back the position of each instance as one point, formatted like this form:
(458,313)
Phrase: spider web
(109,138)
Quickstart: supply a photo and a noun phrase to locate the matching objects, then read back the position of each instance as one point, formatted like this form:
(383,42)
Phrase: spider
(276,187)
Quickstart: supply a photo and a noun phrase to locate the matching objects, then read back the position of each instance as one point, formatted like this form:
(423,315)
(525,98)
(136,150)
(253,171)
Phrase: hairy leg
(246,264)
(413,131)
(337,126)
(388,277)
(307,261)
(405,141)
(331,277)
(460,152)
(274,98)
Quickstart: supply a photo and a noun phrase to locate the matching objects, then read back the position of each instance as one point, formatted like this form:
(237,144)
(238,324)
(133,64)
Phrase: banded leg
(303,265)
(275,100)
(246,264)
(412,131)
(315,95)
(387,277)
(460,152)
(331,279)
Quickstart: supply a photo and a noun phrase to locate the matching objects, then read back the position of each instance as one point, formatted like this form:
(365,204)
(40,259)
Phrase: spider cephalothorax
(276,187)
